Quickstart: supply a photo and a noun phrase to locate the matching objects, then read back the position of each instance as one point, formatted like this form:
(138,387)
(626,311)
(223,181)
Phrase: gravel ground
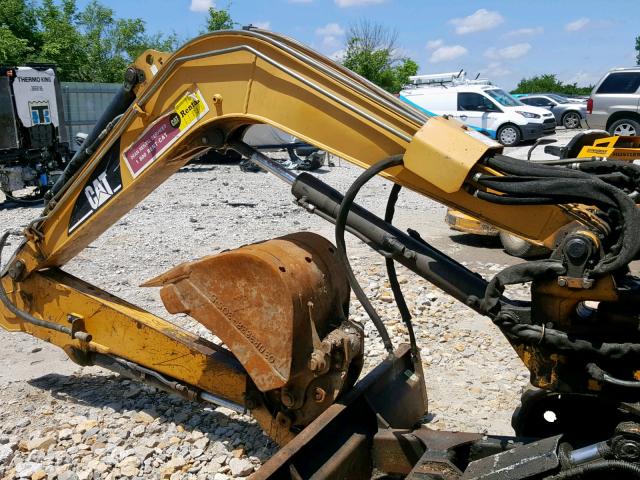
(63,421)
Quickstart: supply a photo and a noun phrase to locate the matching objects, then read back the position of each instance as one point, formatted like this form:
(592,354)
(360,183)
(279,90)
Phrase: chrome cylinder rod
(264,162)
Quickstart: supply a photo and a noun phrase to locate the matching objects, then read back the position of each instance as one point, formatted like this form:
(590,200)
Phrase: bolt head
(287,399)
(630,449)
(577,249)
(313,364)
(319,395)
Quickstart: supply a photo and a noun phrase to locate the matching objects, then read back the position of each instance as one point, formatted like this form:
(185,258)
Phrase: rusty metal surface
(524,461)
(437,461)
(439,440)
(396,451)
(280,306)
(318,447)
(260,298)
(435,466)
(351,460)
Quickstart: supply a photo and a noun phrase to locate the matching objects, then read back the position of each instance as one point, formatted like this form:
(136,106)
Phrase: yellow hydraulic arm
(183,104)
(242,78)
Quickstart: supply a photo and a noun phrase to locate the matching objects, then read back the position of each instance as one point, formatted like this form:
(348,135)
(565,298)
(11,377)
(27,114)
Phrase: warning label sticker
(164,132)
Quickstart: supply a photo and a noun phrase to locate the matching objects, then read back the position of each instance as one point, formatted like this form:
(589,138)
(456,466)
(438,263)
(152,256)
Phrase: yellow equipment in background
(613,148)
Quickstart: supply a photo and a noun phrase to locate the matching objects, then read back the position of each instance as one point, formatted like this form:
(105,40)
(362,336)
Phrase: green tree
(550,84)
(89,45)
(19,35)
(13,50)
(219,19)
(62,42)
(112,44)
(372,52)
(638,50)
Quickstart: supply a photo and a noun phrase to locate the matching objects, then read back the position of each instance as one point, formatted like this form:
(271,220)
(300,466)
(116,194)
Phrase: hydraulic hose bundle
(525,183)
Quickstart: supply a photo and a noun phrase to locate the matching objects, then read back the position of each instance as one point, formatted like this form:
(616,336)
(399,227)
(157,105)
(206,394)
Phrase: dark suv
(614,104)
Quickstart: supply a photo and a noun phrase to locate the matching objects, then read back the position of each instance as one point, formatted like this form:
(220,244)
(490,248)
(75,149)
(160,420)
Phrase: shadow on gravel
(125,396)
(199,168)
(471,240)
(12,205)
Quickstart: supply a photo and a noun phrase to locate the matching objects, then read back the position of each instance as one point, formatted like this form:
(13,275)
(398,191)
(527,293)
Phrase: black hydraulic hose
(120,102)
(599,468)
(524,182)
(561,342)
(393,276)
(26,316)
(598,374)
(341,220)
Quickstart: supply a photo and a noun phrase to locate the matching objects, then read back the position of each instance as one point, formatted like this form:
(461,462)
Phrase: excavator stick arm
(215,85)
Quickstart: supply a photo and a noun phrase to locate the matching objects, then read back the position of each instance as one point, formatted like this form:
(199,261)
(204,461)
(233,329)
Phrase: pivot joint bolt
(317,362)
(288,400)
(319,395)
(16,270)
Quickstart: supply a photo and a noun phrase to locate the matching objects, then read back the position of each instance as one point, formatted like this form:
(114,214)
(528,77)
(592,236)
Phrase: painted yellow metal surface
(466,223)
(614,148)
(189,102)
(444,151)
(124,330)
(245,78)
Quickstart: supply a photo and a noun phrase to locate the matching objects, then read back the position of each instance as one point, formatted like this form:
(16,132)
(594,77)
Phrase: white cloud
(481,19)
(496,69)
(576,25)
(331,35)
(357,3)
(447,52)
(525,32)
(262,25)
(433,44)
(508,53)
(330,29)
(201,5)
(582,78)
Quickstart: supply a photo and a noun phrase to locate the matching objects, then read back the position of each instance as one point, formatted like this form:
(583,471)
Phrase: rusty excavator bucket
(281,308)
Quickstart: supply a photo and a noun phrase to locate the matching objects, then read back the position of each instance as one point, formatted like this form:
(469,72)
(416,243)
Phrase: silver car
(614,104)
(568,113)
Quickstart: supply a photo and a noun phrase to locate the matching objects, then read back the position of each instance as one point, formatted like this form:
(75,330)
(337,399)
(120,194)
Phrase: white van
(480,105)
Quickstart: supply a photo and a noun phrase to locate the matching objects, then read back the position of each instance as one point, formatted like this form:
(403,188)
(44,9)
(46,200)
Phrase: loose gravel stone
(68,475)
(6,454)
(27,469)
(240,467)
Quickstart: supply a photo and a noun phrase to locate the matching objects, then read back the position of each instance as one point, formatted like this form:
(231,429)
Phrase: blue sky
(504,40)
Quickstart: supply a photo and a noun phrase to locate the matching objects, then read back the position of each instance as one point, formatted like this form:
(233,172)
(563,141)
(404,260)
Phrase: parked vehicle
(33,144)
(568,113)
(479,104)
(614,104)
